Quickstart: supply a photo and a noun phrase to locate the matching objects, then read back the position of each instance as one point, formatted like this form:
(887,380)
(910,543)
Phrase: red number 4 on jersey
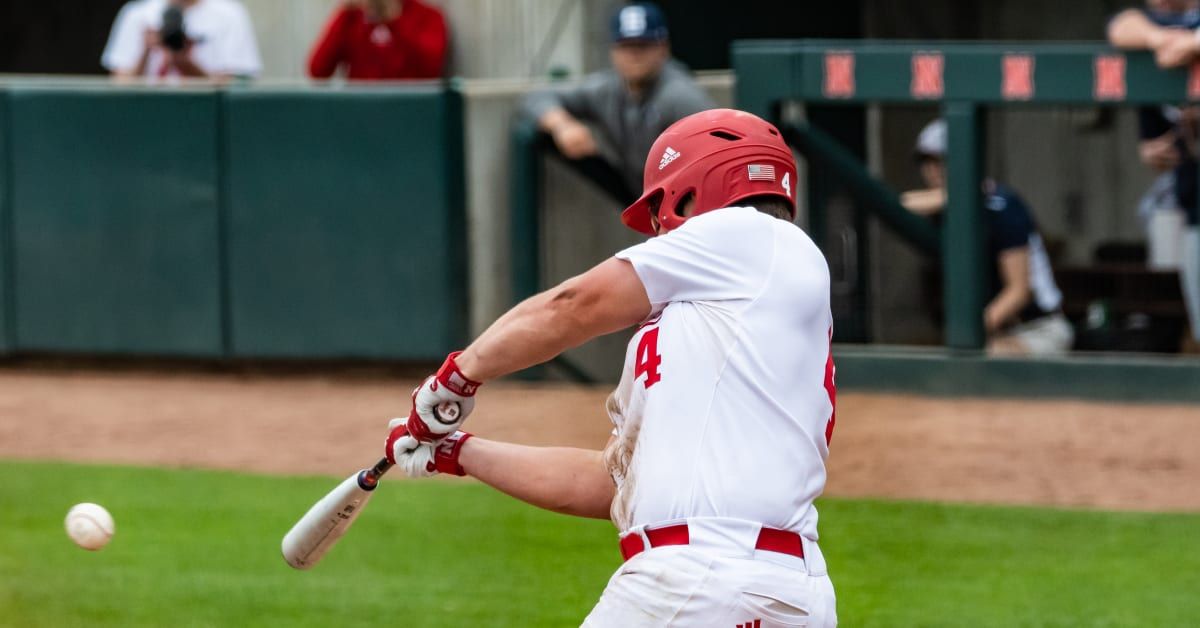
(648,359)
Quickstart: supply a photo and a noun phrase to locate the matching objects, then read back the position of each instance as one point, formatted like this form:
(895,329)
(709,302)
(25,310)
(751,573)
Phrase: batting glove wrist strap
(453,379)
(446,453)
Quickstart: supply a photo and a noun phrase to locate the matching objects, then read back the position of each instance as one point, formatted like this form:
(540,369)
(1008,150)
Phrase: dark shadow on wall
(701,30)
(54,36)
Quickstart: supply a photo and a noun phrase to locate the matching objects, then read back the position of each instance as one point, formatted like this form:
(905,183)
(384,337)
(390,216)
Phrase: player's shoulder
(233,9)
(600,80)
(1173,19)
(142,10)
(678,85)
(1000,198)
(424,8)
(727,221)
(736,228)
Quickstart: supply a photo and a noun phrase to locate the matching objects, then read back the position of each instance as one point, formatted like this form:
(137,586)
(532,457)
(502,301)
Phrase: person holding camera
(382,40)
(169,40)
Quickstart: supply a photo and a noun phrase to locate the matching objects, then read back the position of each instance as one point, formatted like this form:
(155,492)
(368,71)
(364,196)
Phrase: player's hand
(924,202)
(1159,153)
(441,403)
(574,140)
(1176,48)
(151,39)
(418,459)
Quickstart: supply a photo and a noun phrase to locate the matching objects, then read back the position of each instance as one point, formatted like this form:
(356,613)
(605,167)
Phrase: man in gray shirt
(628,106)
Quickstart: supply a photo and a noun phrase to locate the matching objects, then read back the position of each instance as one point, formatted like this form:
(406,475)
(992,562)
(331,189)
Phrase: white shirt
(727,392)
(221,30)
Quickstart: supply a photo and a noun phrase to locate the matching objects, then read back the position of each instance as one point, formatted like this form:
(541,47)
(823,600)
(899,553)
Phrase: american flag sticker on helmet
(761,173)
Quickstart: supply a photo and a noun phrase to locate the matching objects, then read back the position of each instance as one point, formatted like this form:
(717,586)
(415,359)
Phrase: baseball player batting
(725,407)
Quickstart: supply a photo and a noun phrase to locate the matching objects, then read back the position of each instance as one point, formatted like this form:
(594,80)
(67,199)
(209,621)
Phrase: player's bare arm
(1173,47)
(1015,295)
(565,480)
(1132,30)
(605,299)
(571,136)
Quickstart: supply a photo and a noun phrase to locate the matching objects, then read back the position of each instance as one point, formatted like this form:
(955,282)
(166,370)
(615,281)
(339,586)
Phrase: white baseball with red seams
(722,419)
(89,526)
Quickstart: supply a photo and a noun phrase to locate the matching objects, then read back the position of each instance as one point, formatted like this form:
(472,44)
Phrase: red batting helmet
(716,157)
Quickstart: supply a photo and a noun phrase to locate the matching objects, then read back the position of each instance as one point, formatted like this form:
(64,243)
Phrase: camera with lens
(172,33)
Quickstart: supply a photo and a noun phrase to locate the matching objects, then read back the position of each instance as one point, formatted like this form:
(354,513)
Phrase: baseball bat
(320,528)
(328,519)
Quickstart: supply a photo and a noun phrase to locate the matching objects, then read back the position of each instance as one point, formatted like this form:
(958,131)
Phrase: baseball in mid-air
(90,526)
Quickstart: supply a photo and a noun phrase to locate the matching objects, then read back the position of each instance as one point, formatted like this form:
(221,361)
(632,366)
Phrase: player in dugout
(725,408)
(1023,315)
(604,127)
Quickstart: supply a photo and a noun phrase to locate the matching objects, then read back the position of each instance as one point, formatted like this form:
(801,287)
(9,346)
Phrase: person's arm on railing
(560,113)
(1131,29)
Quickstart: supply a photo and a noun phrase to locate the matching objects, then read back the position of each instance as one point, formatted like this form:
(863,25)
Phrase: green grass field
(198,548)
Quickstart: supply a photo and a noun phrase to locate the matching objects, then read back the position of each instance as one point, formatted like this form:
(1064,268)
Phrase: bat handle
(368,479)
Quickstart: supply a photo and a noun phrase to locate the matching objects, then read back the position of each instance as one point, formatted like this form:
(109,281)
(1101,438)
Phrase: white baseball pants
(683,585)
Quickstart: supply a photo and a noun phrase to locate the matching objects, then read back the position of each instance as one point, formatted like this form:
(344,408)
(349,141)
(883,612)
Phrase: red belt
(769,539)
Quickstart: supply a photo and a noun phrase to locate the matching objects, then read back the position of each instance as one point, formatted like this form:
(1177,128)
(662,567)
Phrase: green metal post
(962,237)
(6,274)
(456,197)
(524,196)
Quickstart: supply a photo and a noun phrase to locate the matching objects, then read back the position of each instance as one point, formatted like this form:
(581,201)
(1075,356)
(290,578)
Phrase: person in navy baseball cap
(604,126)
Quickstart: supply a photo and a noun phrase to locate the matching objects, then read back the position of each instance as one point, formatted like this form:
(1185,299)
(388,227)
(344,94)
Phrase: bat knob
(367,480)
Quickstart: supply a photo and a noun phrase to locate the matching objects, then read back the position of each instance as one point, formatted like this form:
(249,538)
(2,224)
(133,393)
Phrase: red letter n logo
(1110,77)
(927,69)
(839,74)
(1017,77)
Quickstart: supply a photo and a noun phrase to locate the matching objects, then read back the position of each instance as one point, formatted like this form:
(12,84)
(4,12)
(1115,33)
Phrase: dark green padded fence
(345,224)
(243,223)
(5,233)
(115,227)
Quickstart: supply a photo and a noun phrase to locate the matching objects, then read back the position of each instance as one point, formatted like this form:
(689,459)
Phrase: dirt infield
(1118,456)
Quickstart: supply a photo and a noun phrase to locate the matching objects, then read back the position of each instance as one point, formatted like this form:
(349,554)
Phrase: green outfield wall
(247,223)
(5,232)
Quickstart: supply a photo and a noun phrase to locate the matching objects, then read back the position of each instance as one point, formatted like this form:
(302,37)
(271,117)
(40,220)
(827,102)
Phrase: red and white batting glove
(418,459)
(429,422)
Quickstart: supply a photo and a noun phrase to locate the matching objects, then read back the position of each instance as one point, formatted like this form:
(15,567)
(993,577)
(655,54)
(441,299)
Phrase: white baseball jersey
(725,405)
(221,30)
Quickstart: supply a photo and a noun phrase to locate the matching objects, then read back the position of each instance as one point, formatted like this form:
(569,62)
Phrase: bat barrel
(328,519)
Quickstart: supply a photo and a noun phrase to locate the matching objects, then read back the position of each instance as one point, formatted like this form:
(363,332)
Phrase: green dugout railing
(246,222)
(962,78)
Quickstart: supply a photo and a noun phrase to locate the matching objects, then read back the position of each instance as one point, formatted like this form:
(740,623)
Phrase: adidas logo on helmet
(669,155)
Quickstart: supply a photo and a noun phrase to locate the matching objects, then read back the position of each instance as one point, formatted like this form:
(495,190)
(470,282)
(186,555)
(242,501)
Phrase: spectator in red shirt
(382,40)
